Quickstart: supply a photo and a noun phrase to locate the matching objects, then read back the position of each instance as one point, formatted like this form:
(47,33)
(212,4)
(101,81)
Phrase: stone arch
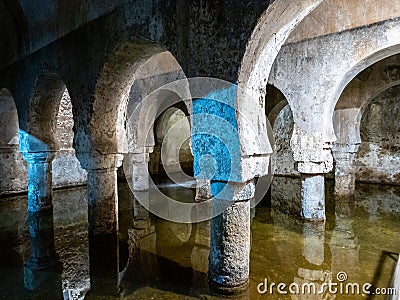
(357,95)
(312,73)
(376,160)
(389,47)
(280,117)
(45,128)
(272,30)
(350,107)
(8,120)
(143,115)
(12,166)
(37,128)
(135,70)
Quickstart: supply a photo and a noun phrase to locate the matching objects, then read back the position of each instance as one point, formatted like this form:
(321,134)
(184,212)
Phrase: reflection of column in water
(313,278)
(199,257)
(344,243)
(314,242)
(285,239)
(141,216)
(143,261)
(42,271)
(313,251)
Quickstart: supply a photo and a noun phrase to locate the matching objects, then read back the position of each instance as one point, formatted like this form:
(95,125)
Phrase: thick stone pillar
(140,185)
(140,171)
(40,210)
(345,178)
(102,197)
(41,271)
(312,154)
(313,197)
(230,238)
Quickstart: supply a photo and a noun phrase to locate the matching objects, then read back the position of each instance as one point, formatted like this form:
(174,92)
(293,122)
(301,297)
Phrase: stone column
(102,197)
(40,210)
(140,171)
(345,178)
(230,238)
(203,190)
(313,159)
(140,185)
(313,196)
(41,269)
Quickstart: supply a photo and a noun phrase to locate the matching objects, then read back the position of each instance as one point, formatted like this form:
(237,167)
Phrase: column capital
(311,151)
(143,157)
(233,191)
(90,161)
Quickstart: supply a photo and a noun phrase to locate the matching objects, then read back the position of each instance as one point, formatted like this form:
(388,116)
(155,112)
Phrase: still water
(163,260)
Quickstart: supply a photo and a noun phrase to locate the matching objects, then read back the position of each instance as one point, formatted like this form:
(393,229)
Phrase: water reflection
(344,244)
(164,260)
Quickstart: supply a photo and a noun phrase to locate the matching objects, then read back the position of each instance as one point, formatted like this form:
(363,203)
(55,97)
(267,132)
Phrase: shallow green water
(169,260)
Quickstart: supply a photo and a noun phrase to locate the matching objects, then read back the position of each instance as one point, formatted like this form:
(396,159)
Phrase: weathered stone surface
(282,159)
(270,33)
(313,197)
(348,15)
(102,193)
(377,158)
(230,248)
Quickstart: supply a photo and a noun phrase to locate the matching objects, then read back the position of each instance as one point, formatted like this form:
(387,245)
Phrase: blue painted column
(40,220)
(216,149)
(40,210)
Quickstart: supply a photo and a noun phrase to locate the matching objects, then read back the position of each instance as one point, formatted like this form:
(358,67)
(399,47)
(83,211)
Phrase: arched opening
(280,116)
(358,129)
(307,96)
(13,177)
(377,160)
(172,151)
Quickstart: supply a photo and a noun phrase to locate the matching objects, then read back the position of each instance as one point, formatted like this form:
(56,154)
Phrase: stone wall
(282,158)
(378,157)
(207,37)
(66,167)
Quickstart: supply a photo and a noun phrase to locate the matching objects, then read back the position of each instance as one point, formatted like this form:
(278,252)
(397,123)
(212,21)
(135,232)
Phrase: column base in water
(230,250)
